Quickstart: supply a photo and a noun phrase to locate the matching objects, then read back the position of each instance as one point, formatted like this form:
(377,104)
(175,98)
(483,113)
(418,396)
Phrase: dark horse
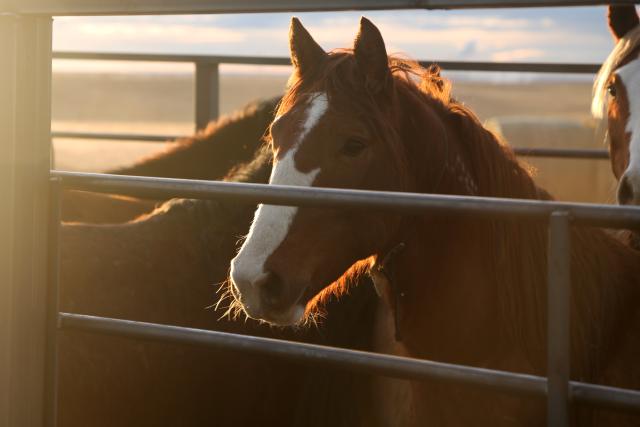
(472,291)
(209,155)
(163,268)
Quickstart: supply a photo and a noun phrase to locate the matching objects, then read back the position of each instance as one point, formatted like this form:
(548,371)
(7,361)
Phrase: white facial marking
(630,76)
(271,223)
(275,119)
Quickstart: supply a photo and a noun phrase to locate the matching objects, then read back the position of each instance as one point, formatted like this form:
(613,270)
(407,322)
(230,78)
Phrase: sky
(576,34)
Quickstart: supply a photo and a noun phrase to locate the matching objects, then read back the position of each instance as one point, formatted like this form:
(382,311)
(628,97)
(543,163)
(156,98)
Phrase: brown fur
(96,208)
(208,155)
(164,268)
(622,19)
(605,278)
(475,289)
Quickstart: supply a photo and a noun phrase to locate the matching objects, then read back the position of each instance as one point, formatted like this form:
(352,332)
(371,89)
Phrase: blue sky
(552,34)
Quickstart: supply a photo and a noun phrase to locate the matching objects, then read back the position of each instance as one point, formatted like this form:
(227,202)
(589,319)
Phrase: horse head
(339,125)
(617,99)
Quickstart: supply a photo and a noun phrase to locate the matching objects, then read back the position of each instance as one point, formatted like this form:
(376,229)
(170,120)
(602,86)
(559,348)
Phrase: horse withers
(464,290)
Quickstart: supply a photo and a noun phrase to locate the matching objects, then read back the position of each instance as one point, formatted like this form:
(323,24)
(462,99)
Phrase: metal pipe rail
(115,136)
(207,89)
(25,35)
(177,7)
(559,391)
(581,213)
(362,361)
(533,67)
(562,153)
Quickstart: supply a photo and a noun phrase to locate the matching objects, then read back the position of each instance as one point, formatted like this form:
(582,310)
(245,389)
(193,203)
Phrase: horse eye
(352,147)
(611,89)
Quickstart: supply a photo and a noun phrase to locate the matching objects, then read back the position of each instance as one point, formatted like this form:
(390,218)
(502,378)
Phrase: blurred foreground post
(25,99)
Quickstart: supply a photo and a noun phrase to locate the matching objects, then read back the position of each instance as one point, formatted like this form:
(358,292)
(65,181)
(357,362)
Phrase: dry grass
(164,104)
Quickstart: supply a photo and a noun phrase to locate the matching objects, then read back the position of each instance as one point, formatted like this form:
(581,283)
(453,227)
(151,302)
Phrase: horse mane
(627,44)
(496,173)
(423,88)
(518,257)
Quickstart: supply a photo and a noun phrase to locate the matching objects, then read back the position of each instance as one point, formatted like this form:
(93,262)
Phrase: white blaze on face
(630,76)
(271,223)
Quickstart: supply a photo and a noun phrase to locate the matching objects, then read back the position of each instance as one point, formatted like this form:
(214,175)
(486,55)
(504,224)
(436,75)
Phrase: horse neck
(481,284)
(211,153)
(158,248)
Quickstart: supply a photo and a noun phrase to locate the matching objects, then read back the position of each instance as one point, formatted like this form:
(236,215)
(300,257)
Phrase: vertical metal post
(25,108)
(207,93)
(51,368)
(558,315)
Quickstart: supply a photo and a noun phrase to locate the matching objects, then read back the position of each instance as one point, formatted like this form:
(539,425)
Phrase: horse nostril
(272,290)
(625,192)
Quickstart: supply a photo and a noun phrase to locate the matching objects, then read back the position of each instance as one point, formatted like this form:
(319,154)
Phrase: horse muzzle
(269,299)
(629,189)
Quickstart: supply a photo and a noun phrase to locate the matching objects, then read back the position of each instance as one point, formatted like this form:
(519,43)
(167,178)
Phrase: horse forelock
(622,49)
(342,82)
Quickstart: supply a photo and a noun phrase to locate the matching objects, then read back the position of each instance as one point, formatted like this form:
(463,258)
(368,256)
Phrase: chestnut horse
(163,268)
(465,290)
(209,155)
(616,98)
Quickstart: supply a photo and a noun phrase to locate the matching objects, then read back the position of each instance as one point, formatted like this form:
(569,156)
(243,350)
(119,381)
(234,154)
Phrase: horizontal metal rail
(156,7)
(565,153)
(114,136)
(207,78)
(531,67)
(214,61)
(488,207)
(153,57)
(361,361)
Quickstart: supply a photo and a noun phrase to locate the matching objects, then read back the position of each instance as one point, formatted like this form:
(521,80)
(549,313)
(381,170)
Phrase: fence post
(207,93)
(558,315)
(25,108)
(53,293)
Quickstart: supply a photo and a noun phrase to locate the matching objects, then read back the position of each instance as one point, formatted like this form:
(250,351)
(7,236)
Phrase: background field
(164,104)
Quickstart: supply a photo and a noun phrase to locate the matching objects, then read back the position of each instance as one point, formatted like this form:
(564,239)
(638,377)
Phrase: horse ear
(622,19)
(371,57)
(306,54)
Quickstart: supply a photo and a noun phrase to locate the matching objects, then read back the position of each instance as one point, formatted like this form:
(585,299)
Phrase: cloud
(480,35)
(517,55)
(158,33)
(468,50)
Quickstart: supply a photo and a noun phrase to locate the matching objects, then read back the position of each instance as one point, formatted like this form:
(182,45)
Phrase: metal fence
(207,90)
(28,295)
